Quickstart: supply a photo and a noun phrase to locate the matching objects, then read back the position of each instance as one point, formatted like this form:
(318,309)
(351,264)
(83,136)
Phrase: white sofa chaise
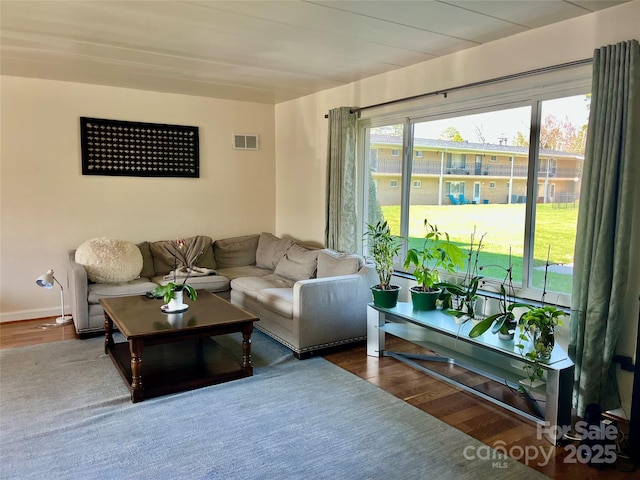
(307,299)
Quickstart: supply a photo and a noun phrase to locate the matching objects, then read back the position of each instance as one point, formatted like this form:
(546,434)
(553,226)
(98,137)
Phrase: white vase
(176,303)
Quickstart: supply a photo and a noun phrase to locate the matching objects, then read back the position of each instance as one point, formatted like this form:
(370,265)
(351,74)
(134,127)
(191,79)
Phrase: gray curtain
(341,219)
(610,175)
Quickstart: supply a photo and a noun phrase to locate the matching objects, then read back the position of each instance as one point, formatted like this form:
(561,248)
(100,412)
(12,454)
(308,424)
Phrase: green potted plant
(438,252)
(173,292)
(538,324)
(383,247)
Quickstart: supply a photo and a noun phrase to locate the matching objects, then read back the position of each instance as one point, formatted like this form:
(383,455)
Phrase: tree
(452,134)
(521,140)
(561,135)
(393,130)
(557,134)
(479,129)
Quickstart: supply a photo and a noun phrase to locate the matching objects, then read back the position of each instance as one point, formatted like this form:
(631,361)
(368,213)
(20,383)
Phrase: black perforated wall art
(114,147)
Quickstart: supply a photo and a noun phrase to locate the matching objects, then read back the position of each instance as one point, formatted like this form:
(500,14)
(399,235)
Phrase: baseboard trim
(29,314)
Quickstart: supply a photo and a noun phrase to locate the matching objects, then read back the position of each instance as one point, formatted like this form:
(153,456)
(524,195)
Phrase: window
(395,153)
(453,173)
(456,161)
(418,154)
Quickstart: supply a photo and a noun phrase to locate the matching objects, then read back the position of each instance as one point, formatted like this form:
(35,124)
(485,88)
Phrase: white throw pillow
(108,260)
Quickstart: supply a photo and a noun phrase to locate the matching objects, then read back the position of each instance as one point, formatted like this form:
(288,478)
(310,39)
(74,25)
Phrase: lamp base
(64,320)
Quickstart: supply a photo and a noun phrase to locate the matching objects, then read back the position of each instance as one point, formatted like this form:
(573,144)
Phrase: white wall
(48,206)
(301,129)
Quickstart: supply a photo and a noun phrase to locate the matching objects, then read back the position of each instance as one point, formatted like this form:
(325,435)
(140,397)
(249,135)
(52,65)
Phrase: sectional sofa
(306,298)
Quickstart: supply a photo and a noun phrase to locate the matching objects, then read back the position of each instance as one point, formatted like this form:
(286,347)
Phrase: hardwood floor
(33,332)
(480,419)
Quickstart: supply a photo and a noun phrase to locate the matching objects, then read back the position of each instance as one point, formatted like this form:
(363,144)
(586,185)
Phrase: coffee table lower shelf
(176,367)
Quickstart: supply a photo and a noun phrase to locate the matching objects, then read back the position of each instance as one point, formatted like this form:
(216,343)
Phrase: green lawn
(504,228)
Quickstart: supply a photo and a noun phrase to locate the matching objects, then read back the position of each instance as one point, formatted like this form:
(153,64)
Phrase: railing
(433,167)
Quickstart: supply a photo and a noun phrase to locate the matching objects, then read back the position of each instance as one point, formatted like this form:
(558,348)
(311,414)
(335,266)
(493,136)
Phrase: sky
(505,123)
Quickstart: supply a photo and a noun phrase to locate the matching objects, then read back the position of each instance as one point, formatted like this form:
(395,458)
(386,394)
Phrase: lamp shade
(46,280)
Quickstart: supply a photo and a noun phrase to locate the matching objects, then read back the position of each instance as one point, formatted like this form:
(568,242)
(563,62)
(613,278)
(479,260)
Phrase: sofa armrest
(79,292)
(331,309)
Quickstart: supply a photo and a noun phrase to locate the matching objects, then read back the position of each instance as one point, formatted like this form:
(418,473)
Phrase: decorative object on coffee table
(173,292)
(46,281)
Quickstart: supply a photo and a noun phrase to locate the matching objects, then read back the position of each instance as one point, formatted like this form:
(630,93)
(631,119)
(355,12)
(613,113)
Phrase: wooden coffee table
(167,353)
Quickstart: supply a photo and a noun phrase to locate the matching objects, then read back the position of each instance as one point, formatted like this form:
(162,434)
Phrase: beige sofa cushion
(148,270)
(298,263)
(332,263)
(270,250)
(140,286)
(251,286)
(246,271)
(213,283)
(236,251)
(278,300)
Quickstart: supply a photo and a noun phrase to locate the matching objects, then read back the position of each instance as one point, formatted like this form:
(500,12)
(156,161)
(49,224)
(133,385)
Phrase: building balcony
(393,166)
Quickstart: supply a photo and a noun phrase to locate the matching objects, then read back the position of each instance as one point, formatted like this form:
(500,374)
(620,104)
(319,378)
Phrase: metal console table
(486,355)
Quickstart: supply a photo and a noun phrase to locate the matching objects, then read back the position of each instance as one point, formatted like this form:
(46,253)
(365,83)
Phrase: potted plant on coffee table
(438,252)
(172,292)
(383,247)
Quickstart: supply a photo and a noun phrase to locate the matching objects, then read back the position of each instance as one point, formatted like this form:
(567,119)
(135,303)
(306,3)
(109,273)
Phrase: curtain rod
(444,92)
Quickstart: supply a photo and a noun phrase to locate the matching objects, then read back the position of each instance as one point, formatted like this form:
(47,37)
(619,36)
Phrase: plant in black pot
(438,252)
(383,247)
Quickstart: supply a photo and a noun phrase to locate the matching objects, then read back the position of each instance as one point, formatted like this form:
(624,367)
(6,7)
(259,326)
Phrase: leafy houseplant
(537,326)
(383,247)
(437,252)
(173,291)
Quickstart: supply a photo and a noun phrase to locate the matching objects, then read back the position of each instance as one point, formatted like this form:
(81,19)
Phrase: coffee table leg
(108,334)
(137,392)
(246,350)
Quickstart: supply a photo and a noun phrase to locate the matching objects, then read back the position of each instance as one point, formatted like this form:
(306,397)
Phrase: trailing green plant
(438,252)
(383,248)
(537,327)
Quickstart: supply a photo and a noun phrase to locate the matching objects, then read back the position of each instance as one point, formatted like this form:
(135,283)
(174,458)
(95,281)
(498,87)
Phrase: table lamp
(46,281)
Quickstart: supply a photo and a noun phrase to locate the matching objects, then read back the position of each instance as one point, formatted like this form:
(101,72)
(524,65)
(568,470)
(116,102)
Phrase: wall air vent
(245,141)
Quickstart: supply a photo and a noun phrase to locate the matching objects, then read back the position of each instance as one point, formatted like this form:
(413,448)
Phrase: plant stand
(485,355)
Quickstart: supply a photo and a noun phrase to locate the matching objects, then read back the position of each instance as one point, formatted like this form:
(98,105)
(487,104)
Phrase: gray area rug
(65,414)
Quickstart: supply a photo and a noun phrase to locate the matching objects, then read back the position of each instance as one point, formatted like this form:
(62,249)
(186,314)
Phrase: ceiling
(261,51)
